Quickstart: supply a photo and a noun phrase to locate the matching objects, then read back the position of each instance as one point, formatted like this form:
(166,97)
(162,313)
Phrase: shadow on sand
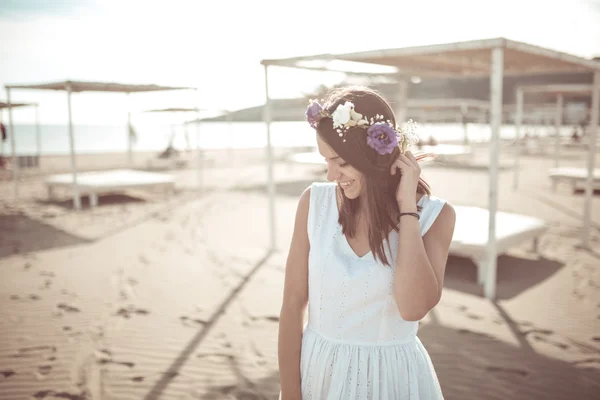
(103,200)
(159,387)
(472,365)
(514,275)
(21,234)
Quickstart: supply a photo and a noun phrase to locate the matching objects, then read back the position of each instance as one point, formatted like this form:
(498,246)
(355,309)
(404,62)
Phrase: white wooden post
(464,109)
(589,187)
(129,137)
(558,124)
(270,179)
(13,146)
(38,136)
(401,97)
(1,141)
(229,119)
(496,77)
(199,154)
(75,188)
(518,123)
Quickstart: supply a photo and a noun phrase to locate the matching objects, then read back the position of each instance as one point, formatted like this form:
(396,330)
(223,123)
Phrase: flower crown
(382,135)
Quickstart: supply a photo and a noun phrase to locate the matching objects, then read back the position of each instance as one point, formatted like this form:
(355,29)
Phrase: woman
(368,256)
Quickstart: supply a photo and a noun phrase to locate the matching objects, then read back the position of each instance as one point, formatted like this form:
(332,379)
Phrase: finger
(405,160)
(399,164)
(411,157)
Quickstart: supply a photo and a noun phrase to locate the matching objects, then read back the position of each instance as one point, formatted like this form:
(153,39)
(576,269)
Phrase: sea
(54,139)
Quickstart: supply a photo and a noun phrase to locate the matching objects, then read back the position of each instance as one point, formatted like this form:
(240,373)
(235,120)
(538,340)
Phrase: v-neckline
(341,233)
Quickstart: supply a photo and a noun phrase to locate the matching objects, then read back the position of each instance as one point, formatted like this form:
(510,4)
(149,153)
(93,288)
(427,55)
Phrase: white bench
(98,182)
(572,175)
(471,234)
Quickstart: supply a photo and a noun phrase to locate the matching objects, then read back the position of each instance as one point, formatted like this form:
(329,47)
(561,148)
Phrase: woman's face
(349,179)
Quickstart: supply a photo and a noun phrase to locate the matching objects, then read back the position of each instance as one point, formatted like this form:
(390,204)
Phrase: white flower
(354,115)
(341,115)
(408,134)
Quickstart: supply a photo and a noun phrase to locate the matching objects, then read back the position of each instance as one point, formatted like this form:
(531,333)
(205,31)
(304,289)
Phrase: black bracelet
(409,213)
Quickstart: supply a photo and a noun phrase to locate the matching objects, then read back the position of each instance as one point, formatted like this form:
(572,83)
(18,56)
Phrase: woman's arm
(421,262)
(295,299)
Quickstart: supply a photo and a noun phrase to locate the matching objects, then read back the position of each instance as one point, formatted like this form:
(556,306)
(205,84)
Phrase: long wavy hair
(379,185)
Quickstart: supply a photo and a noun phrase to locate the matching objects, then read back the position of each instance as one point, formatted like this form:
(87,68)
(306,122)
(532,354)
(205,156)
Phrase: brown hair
(380,185)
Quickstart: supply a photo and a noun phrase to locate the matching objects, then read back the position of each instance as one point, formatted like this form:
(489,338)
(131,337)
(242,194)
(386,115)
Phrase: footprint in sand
(7,373)
(66,292)
(137,378)
(543,339)
(586,361)
(51,394)
(511,371)
(34,351)
(47,284)
(596,338)
(67,307)
(48,274)
(468,332)
(27,265)
(14,297)
(538,331)
(187,321)
(143,259)
(127,312)
(104,356)
(132,281)
(44,369)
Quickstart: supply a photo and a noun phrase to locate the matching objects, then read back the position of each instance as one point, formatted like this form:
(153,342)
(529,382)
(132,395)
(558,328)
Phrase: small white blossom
(341,115)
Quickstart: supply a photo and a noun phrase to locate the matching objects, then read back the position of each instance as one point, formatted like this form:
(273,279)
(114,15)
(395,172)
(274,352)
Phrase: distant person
(367,258)
(4,136)
(431,141)
(575,135)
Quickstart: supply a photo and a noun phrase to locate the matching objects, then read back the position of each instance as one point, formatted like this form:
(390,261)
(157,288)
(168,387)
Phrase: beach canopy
(199,153)
(15,105)
(77,87)
(560,93)
(461,59)
(173,110)
(82,86)
(493,58)
(38,141)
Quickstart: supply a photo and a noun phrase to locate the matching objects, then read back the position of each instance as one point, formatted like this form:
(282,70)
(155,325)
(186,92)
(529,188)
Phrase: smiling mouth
(346,184)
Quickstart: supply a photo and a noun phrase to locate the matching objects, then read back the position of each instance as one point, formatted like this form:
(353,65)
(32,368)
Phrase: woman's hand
(410,171)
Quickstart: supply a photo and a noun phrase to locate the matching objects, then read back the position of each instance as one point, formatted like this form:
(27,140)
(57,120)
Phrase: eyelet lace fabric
(355,344)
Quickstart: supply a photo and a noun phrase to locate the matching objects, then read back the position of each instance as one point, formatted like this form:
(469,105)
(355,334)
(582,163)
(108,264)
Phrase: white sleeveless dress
(355,344)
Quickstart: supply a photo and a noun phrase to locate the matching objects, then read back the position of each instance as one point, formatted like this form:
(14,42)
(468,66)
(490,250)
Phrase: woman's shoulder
(431,200)
(322,189)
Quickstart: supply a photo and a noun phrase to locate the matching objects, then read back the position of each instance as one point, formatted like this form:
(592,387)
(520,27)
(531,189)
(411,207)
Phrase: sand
(147,298)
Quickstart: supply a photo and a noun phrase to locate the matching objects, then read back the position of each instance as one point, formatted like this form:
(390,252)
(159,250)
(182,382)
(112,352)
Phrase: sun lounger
(471,234)
(443,152)
(573,175)
(98,182)
(448,153)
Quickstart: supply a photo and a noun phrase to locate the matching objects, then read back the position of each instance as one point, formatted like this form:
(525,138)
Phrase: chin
(352,195)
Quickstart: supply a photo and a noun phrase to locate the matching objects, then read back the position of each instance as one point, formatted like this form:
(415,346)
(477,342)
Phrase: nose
(333,172)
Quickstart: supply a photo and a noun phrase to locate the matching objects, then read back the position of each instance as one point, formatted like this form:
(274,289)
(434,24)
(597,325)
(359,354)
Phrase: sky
(217,46)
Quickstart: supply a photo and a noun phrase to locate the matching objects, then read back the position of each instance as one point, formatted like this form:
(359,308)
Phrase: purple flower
(313,114)
(381,137)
